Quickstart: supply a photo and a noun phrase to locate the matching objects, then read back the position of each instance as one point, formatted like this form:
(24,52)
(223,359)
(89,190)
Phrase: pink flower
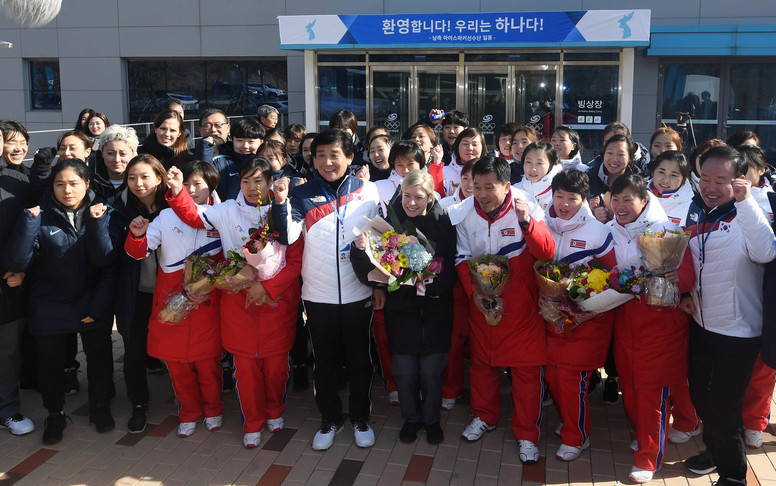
(393,242)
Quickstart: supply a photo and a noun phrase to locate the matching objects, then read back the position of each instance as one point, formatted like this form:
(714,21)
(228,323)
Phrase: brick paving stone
(464,472)
(362,480)
(274,476)
(418,468)
(319,477)
(489,463)
(303,468)
(292,452)
(392,474)
(438,478)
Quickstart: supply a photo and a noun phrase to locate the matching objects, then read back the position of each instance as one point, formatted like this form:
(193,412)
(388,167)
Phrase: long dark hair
(159,200)
(182,144)
(79,127)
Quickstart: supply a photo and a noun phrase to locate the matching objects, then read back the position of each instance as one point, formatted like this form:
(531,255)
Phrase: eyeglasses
(217,126)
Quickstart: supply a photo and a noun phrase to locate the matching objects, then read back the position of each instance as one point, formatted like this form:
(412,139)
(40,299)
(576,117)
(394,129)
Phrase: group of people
(100,228)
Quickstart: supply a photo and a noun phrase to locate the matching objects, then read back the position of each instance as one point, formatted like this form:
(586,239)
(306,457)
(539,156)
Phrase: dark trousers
(72,351)
(341,331)
(10,365)
(416,376)
(300,350)
(52,352)
(720,368)
(136,350)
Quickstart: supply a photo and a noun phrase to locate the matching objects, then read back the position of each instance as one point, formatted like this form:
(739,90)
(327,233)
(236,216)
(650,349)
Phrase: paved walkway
(159,457)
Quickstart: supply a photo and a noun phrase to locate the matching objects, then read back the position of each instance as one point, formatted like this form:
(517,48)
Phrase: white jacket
(178,241)
(503,237)
(452,173)
(728,261)
(676,204)
(233,219)
(626,244)
(451,200)
(579,239)
(760,194)
(309,212)
(541,190)
(386,188)
(574,163)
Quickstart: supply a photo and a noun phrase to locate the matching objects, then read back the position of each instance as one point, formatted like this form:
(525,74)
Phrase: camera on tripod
(686,131)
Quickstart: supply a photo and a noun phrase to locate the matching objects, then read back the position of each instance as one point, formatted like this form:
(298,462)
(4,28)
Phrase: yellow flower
(597,279)
(387,267)
(403,240)
(403,260)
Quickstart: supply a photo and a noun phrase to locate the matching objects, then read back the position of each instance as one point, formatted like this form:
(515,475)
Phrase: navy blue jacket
(15,195)
(70,272)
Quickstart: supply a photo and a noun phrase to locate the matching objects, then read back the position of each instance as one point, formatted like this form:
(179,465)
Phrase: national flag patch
(578,243)
(213,234)
(508,232)
(675,220)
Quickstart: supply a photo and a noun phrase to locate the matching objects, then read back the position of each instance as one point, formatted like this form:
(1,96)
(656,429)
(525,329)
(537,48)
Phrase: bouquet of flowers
(234,274)
(262,251)
(490,275)
(198,282)
(552,278)
(400,254)
(662,253)
(597,289)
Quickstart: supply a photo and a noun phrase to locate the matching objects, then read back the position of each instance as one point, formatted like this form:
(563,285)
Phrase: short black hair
(408,149)
(496,165)
(253,164)
(739,164)
(573,138)
(634,182)
(247,128)
(170,102)
(507,129)
(78,166)
(456,117)
(544,147)
(208,171)
(632,147)
(674,156)
(572,180)
(11,127)
(211,111)
(333,136)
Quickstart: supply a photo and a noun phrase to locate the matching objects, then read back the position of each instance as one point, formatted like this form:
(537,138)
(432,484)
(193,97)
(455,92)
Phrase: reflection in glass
(342,88)
(390,101)
(435,90)
(536,101)
(589,103)
(44,85)
(486,98)
(692,88)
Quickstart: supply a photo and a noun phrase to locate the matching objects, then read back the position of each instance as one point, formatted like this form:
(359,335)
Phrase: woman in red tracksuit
(260,335)
(650,344)
(572,356)
(192,347)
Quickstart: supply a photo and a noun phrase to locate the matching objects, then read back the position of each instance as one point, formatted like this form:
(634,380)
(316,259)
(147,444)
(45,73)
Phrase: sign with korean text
(594,27)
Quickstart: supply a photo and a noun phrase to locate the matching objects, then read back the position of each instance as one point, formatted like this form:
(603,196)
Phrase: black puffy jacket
(14,197)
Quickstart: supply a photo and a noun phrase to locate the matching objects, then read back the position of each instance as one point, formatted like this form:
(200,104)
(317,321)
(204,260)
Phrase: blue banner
(609,27)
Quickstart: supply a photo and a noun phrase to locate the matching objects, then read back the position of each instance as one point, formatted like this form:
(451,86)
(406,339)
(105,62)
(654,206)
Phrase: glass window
(512,57)
(44,85)
(237,87)
(591,56)
(342,88)
(341,58)
(692,88)
(589,103)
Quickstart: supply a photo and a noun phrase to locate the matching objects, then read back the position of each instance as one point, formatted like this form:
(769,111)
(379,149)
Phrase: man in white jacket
(731,239)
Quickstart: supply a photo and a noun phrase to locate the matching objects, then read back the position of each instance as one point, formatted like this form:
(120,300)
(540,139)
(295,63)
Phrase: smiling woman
(15,145)
(168,138)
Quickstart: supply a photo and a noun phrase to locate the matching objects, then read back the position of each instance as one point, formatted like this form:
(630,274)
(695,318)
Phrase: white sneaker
(679,437)
(252,440)
(638,475)
(363,433)
(634,445)
(393,398)
(569,453)
(214,423)
(185,429)
(529,453)
(753,438)
(20,425)
(448,404)
(473,432)
(275,425)
(324,438)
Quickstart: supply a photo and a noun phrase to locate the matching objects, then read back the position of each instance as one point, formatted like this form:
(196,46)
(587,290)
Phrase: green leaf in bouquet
(397,227)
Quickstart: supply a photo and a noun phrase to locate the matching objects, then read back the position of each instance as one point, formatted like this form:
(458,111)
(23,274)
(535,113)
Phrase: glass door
(390,100)
(535,91)
(486,99)
(435,89)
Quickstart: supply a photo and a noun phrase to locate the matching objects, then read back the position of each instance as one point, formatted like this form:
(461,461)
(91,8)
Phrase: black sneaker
(595,380)
(701,464)
(101,418)
(409,432)
(53,427)
(154,366)
(434,434)
(71,381)
(301,380)
(611,391)
(137,422)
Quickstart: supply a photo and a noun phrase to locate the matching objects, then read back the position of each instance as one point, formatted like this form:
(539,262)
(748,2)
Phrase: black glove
(44,157)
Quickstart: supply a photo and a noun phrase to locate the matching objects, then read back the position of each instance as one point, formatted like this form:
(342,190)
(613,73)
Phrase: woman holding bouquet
(419,326)
(258,325)
(191,347)
(650,344)
(573,354)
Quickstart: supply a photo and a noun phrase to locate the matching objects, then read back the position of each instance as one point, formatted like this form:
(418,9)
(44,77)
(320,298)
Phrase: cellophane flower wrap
(234,274)
(262,251)
(595,288)
(490,275)
(662,252)
(553,278)
(198,282)
(400,254)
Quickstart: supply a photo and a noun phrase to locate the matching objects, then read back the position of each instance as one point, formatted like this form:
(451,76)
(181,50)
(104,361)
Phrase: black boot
(100,416)
(137,422)
(53,427)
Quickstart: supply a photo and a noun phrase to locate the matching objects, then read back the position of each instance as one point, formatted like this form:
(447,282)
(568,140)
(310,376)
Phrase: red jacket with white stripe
(518,339)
